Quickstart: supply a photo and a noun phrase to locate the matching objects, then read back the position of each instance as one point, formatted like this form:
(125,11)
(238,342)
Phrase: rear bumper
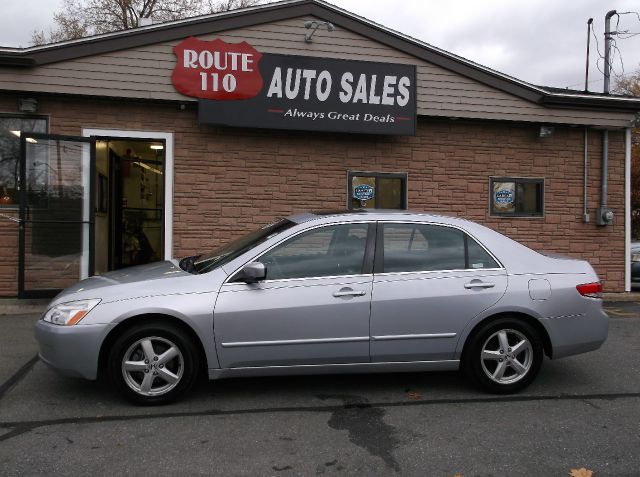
(577,334)
(71,350)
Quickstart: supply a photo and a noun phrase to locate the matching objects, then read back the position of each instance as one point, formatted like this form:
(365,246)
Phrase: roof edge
(605,102)
(235,19)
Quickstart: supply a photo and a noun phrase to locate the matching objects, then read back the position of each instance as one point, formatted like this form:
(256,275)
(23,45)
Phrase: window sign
(363,193)
(504,197)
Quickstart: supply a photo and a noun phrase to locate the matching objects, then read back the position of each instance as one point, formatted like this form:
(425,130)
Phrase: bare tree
(226,5)
(80,18)
(629,84)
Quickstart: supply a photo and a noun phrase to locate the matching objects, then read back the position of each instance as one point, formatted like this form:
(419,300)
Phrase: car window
(326,251)
(422,247)
(478,256)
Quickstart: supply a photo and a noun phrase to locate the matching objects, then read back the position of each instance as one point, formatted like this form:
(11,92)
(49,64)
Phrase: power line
(599,80)
(621,35)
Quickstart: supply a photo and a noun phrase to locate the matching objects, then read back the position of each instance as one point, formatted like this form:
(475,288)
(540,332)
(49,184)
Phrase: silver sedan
(333,292)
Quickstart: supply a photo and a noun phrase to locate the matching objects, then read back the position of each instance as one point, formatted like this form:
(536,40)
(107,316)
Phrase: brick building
(142,145)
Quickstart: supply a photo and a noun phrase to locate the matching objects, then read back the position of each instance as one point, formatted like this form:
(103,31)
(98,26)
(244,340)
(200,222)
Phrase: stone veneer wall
(228,181)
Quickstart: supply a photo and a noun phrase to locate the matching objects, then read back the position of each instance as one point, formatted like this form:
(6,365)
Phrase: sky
(538,41)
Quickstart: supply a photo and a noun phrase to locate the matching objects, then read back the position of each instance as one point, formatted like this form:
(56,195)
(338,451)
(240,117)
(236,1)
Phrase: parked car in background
(635,262)
(333,292)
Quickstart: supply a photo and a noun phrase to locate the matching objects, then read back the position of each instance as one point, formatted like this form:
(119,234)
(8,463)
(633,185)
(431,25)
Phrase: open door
(56,213)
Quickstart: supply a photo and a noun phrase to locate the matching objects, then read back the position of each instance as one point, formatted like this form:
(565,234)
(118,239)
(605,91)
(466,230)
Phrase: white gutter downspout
(627,210)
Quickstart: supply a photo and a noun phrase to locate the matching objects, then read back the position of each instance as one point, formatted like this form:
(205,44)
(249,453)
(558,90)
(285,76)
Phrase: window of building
(517,197)
(424,247)
(326,251)
(10,129)
(377,190)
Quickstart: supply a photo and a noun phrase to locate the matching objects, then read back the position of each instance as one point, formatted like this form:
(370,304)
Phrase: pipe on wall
(604,215)
(605,169)
(585,210)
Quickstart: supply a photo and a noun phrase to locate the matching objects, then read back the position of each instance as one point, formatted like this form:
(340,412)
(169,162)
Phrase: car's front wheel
(504,356)
(153,363)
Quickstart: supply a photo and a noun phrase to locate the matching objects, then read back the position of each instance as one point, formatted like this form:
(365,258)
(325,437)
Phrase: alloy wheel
(506,356)
(152,366)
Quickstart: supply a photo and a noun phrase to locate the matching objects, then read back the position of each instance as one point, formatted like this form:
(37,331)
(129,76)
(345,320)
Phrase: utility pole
(607,50)
(586,70)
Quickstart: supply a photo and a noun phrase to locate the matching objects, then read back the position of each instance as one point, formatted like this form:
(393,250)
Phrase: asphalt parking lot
(582,412)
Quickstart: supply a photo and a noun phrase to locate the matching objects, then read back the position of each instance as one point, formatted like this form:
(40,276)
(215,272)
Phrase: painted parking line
(17,376)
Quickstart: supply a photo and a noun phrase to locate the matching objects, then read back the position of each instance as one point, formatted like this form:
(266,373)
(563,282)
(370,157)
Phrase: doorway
(130,202)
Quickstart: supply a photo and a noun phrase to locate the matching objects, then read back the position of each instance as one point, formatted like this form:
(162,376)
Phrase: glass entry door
(56,213)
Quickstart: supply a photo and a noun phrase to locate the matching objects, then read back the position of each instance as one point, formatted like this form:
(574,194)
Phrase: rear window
(425,247)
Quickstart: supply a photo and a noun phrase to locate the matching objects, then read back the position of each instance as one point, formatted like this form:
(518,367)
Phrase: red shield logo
(216,69)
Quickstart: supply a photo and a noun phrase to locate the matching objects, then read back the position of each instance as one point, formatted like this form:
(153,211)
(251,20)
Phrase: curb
(14,306)
(617,297)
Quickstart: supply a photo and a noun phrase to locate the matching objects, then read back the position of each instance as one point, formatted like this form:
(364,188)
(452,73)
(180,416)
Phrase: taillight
(592,290)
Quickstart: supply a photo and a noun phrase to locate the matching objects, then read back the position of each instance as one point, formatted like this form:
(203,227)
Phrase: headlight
(635,257)
(70,313)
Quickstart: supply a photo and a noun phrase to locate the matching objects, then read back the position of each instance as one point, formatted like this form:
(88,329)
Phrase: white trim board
(627,211)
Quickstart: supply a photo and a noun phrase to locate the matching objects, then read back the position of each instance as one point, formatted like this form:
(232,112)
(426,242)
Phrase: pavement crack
(20,427)
(17,376)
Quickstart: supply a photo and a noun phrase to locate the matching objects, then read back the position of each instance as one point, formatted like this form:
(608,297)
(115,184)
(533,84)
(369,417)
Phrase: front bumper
(71,350)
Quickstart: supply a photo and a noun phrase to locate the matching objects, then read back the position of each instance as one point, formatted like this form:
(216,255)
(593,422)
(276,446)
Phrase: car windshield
(207,262)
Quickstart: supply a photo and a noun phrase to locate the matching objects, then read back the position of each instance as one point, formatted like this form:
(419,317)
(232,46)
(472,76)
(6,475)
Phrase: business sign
(216,69)
(239,86)
(363,192)
(504,197)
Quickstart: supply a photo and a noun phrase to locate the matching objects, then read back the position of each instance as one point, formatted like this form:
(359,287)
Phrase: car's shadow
(282,391)
(555,378)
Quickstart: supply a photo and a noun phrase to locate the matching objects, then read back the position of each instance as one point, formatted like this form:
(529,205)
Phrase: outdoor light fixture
(546,131)
(315,25)
(28,105)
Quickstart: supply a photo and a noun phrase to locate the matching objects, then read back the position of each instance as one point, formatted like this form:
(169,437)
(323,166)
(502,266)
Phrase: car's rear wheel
(153,363)
(504,356)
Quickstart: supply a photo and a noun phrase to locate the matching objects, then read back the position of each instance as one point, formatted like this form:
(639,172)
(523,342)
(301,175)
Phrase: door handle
(349,292)
(478,284)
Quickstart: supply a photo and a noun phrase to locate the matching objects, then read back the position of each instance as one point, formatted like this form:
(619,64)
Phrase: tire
(153,363)
(496,369)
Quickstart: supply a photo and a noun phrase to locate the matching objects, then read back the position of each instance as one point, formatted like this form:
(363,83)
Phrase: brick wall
(227,181)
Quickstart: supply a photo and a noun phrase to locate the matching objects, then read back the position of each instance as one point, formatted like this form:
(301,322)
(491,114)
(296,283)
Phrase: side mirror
(253,272)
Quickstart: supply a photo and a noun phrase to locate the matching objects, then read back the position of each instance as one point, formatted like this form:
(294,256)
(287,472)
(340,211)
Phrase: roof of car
(317,214)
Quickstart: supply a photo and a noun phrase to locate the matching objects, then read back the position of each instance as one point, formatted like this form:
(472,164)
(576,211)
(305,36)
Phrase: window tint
(517,197)
(478,257)
(10,130)
(420,247)
(326,251)
(377,190)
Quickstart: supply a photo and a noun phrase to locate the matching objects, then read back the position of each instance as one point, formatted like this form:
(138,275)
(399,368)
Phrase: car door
(312,308)
(430,280)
